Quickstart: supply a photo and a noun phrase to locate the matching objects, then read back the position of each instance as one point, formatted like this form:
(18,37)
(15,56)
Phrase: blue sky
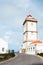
(12,16)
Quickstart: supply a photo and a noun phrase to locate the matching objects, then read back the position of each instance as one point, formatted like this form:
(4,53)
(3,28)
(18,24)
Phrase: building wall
(26,27)
(3,46)
(35,48)
(24,37)
(29,36)
(32,26)
(32,36)
(30,49)
(30,31)
(39,48)
(26,44)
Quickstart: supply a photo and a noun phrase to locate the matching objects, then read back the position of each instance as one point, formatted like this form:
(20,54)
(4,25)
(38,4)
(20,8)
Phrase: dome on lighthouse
(30,18)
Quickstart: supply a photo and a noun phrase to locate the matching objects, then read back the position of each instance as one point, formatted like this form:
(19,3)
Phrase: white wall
(32,36)
(32,26)
(30,49)
(25,27)
(24,37)
(39,48)
(3,44)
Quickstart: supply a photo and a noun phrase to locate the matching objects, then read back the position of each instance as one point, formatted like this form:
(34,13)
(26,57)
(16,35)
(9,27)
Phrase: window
(33,47)
(3,49)
(32,23)
(29,49)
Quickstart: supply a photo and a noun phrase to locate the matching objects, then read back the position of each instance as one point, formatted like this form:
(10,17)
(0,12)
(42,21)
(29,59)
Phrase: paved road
(23,59)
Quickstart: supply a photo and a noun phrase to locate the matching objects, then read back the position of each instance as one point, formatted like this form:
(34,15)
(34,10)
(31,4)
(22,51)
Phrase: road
(23,59)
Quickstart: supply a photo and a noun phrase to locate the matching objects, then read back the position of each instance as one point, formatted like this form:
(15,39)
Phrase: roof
(37,42)
(30,18)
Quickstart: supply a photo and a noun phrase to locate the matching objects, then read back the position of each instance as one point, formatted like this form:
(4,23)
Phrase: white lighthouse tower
(30,33)
(31,44)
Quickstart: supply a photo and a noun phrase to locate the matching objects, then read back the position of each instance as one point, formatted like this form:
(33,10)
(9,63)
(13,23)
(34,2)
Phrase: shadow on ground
(37,64)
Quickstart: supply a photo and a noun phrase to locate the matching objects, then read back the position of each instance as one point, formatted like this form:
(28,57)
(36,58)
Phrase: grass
(6,56)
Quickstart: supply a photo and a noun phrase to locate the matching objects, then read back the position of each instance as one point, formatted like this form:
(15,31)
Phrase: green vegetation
(6,56)
(40,54)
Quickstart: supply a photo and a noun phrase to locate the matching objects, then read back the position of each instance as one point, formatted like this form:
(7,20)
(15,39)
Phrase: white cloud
(12,15)
(7,35)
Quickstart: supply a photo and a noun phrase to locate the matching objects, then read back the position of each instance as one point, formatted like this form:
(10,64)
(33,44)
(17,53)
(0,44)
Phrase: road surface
(23,59)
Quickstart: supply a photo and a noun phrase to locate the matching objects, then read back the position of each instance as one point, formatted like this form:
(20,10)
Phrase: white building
(3,46)
(31,44)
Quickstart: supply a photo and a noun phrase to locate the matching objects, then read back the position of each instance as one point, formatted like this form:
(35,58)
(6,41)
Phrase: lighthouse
(30,33)
(30,29)
(31,44)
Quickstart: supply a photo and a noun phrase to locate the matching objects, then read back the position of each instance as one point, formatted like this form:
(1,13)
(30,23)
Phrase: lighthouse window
(3,49)
(33,47)
(31,23)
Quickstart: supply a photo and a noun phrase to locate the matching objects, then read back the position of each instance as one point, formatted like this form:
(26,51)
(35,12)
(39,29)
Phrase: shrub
(41,54)
(7,55)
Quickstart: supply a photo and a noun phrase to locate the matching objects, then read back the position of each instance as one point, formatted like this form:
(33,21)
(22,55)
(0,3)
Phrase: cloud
(6,11)
(7,35)
(12,16)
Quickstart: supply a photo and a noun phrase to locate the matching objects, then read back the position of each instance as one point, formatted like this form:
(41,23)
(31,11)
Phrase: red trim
(37,42)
